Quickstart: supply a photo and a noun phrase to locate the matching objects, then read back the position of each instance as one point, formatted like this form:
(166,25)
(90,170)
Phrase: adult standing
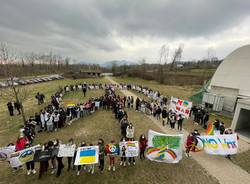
(10,108)
(84,89)
(17,106)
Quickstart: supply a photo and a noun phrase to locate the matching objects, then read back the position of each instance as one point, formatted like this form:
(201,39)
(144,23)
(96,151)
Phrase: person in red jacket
(142,144)
(21,142)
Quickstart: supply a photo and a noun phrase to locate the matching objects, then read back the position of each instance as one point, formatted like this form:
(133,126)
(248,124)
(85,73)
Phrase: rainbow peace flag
(210,129)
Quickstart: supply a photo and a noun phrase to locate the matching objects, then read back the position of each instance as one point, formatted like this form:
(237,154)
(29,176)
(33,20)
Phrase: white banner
(66,150)
(226,144)
(21,157)
(5,152)
(87,155)
(164,148)
(181,106)
(131,148)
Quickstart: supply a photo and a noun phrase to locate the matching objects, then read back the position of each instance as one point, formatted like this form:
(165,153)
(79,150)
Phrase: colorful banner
(112,149)
(226,144)
(87,155)
(164,148)
(5,152)
(131,147)
(66,150)
(181,106)
(21,157)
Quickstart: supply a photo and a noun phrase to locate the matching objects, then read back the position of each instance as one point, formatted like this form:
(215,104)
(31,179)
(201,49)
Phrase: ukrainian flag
(87,156)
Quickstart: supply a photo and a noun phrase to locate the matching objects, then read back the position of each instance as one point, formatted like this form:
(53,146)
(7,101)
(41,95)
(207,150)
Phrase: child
(70,143)
(91,167)
(79,166)
(131,158)
(111,159)
(123,153)
(101,154)
(142,144)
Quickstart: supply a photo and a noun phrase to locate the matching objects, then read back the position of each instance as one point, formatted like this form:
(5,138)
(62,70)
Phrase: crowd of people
(54,116)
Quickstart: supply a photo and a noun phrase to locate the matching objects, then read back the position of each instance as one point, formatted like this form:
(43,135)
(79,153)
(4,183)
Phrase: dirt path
(224,170)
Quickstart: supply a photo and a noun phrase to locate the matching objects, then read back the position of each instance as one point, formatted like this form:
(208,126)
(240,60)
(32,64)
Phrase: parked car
(3,84)
(21,82)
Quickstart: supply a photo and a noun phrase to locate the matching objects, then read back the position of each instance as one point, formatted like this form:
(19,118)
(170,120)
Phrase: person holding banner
(101,154)
(31,164)
(112,159)
(123,153)
(131,159)
(71,143)
(79,166)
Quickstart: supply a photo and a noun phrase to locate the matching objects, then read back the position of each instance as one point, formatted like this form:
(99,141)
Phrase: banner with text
(226,144)
(66,150)
(131,148)
(181,106)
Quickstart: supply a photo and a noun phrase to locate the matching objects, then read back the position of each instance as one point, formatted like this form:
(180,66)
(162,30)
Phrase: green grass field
(101,124)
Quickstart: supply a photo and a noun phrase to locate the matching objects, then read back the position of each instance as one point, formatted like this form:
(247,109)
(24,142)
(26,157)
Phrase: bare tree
(177,56)
(13,92)
(17,93)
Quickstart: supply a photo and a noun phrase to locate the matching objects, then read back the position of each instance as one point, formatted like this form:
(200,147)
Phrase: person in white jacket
(49,123)
(42,117)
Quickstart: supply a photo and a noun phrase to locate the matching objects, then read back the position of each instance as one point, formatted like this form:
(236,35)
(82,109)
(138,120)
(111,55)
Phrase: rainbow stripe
(210,129)
(161,152)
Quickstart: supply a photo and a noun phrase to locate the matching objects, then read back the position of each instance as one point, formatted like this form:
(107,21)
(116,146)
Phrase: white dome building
(232,78)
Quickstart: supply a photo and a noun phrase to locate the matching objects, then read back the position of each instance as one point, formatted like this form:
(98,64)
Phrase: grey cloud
(80,25)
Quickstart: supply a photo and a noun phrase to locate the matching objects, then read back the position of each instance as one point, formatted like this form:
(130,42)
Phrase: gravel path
(218,166)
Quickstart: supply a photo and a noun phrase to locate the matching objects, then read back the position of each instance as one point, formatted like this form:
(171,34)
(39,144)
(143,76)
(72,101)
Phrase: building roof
(234,71)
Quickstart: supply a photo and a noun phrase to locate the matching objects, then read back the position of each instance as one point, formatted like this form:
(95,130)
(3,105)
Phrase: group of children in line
(127,134)
(54,116)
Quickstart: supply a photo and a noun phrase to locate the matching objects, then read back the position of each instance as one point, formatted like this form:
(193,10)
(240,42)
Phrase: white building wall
(230,97)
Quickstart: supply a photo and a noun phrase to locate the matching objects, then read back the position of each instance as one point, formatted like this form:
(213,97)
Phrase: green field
(101,124)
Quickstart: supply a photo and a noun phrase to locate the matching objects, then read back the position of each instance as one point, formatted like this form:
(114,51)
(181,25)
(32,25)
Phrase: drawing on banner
(210,129)
(66,150)
(112,149)
(5,152)
(131,147)
(21,157)
(164,148)
(181,106)
(87,155)
(196,145)
(226,144)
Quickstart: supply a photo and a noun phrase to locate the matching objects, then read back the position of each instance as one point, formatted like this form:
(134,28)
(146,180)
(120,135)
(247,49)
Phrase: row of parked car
(17,81)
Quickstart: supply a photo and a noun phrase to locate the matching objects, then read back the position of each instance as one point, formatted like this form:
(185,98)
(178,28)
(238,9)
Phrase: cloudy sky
(102,30)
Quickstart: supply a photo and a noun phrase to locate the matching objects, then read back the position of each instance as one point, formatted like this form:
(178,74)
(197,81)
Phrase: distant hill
(108,64)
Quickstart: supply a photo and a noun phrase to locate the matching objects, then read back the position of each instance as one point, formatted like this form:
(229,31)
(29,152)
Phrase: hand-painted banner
(164,148)
(226,144)
(131,147)
(112,149)
(66,150)
(21,157)
(87,155)
(181,106)
(5,152)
